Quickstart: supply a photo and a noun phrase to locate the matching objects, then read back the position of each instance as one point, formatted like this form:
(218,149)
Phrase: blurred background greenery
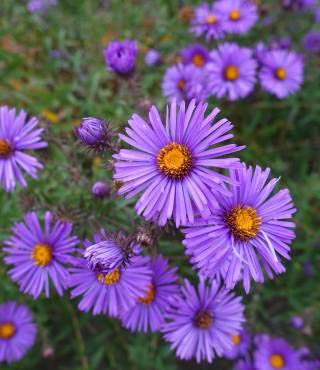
(52,66)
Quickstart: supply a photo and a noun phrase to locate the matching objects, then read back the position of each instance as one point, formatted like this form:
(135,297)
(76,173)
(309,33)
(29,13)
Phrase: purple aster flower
(231,72)
(17,331)
(101,189)
(311,41)
(18,135)
(152,57)
(201,322)
(248,229)
(111,252)
(111,293)
(39,255)
(297,322)
(184,82)
(148,312)
(206,21)
(238,15)
(95,134)
(196,54)
(171,164)
(120,56)
(281,73)
(40,6)
(275,353)
(240,345)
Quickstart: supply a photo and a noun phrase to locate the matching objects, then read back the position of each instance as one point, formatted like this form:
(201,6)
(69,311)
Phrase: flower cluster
(231,72)
(224,16)
(263,352)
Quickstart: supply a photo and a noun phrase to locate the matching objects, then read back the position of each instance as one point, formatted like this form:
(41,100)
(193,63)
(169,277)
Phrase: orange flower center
(211,19)
(7,330)
(181,85)
(234,15)
(111,278)
(231,72)
(277,361)
(5,148)
(204,320)
(174,160)
(42,254)
(149,297)
(281,73)
(236,340)
(198,60)
(243,222)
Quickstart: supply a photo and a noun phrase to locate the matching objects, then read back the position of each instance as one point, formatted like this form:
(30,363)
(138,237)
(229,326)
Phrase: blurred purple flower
(308,269)
(298,4)
(281,43)
(184,82)
(275,353)
(297,322)
(120,56)
(175,165)
(152,57)
(249,228)
(100,189)
(195,54)
(311,41)
(17,136)
(201,321)
(40,6)
(17,331)
(239,16)
(281,73)
(231,73)
(148,313)
(206,21)
(39,254)
(317,15)
(240,345)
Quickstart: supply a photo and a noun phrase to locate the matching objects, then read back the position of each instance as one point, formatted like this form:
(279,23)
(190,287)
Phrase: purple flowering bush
(159,185)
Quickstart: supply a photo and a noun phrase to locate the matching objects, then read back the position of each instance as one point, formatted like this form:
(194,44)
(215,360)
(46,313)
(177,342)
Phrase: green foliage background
(284,135)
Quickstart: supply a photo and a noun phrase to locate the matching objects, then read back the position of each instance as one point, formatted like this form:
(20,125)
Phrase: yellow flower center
(42,254)
(149,297)
(243,222)
(111,278)
(204,320)
(236,340)
(234,15)
(7,330)
(231,72)
(281,73)
(5,148)
(277,361)
(211,19)
(198,60)
(181,85)
(174,160)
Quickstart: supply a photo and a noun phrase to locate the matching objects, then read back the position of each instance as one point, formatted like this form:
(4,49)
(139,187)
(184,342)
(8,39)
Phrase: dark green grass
(284,135)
